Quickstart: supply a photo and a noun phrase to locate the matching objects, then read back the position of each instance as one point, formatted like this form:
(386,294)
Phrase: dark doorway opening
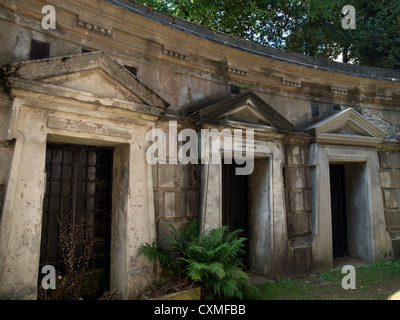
(78,202)
(338,210)
(235,203)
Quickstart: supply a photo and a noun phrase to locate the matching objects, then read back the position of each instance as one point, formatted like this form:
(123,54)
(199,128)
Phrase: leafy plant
(77,250)
(110,295)
(310,27)
(76,260)
(211,259)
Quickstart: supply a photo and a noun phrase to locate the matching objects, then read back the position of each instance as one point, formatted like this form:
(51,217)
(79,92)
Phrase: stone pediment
(93,74)
(347,127)
(96,82)
(245,109)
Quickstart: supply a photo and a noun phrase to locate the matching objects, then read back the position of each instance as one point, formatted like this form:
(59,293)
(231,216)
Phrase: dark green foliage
(156,253)
(374,42)
(210,259)
(242,18)
(310,27)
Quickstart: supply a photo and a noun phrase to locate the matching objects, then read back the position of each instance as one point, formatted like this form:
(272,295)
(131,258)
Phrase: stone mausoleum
(77,103)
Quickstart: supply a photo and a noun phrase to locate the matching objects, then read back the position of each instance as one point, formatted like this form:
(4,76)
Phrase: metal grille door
(235,202)
(78,196)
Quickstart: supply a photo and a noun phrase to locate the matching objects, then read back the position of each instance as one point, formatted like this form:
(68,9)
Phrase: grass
(376,281)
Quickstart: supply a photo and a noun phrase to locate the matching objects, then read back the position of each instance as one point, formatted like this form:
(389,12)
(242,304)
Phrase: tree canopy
(311,27)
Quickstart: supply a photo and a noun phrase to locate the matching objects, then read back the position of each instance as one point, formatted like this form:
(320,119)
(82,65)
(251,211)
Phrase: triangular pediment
(94,81)
(347,127)
(247,114)
(94,74)
(246,108)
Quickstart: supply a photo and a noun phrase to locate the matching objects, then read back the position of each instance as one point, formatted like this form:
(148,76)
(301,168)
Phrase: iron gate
(235,203)
(78,200)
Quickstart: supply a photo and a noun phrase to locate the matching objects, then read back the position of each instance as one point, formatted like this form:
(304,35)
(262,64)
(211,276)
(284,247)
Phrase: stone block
(287,202)
(395,237)
(385,159)
(304,154)
(166,174)
(172,175)
(158,204)
(396,160)
(169,204)
(298,224)
(392,219)
(154,171)
(391,198)
(181,175)
(180,204)
(193,176)
(389,179)
(192,207)
(394,234)
(164,230)
(174,204)
(296,200)
(396,249)
(302,260)
(295,178)
(294,155)
(308,178)
(307,200)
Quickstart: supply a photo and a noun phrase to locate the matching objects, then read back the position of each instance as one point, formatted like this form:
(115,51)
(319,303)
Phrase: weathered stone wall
(298,205)
(186,69)
(176,190)
(175,195)
(187,66)
(389,161)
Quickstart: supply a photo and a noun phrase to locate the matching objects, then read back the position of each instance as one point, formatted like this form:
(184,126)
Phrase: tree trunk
(345,55)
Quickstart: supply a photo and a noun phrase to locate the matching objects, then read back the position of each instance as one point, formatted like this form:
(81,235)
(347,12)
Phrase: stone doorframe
(248,111)
(50,105)
(268,230)
(376,240)
(347,138)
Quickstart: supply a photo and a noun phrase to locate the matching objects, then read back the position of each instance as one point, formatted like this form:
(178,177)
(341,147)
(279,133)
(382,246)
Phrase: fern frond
(182,240)
(236,273)
(156,253)
(210,258)
(199,252)
(199,271)
(212,238)
(249,292)
(227,288)
(233,249)
(232,235)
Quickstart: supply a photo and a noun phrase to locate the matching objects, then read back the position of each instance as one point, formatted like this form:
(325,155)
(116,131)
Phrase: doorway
(246,206)
(235,203)
(77,202)
(350,211)
(338,210)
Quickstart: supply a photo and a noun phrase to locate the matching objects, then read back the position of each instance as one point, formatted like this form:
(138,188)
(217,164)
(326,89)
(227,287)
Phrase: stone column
(21,223)
(140,219)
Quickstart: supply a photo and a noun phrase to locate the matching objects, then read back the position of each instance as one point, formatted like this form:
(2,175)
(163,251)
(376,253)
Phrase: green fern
(211,259)
(156,253)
